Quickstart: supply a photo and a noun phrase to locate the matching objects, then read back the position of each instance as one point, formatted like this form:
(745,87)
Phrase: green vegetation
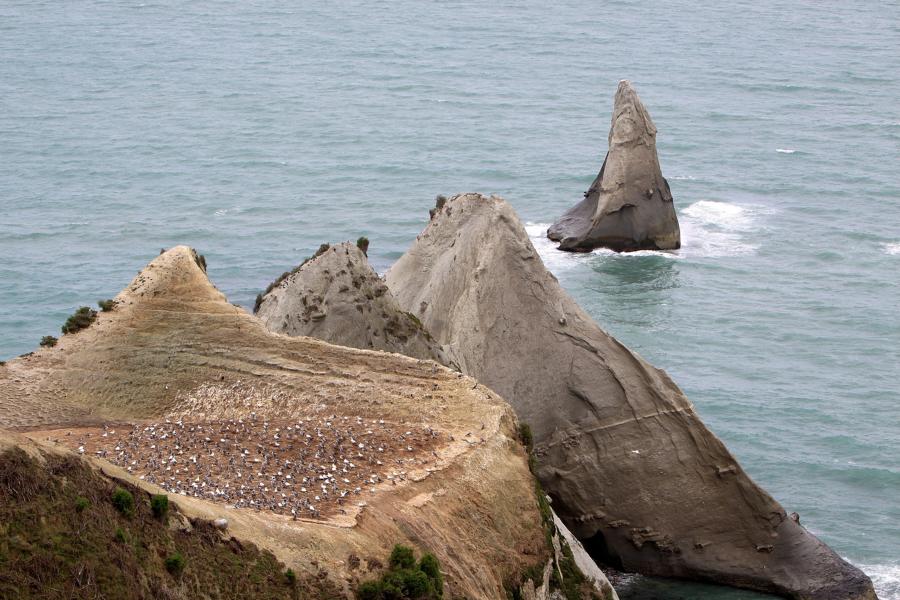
(291,577)
(48,341)
(439,202)
(107,305)
(363,244)
(121,537)
(61,537)
(404,579)
(175,564)
(123,501)
(201,262)
(159,504)
(80,319)
(259,298)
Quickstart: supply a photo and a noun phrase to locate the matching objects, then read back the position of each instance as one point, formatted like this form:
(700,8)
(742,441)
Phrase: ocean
(255,132)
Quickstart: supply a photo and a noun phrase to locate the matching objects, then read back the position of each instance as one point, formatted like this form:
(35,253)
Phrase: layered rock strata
(631,468)
(629,205)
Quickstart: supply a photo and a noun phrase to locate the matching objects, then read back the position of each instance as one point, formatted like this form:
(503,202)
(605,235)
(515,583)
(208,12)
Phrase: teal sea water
(255,133)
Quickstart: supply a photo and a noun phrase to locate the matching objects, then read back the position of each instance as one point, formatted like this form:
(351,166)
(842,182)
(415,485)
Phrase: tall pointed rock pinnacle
(629,206)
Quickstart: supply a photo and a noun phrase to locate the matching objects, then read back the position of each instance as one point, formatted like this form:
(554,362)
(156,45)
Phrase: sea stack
(629,205)
(631,468)
(336,296)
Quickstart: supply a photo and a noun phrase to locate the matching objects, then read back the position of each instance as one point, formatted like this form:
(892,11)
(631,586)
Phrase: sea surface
(254,132)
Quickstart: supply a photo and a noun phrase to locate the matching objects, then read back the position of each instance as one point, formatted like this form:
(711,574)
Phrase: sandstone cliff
(629,206)
(631,468)
(177,389)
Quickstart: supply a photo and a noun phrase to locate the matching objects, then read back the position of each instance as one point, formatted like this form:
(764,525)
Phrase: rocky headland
(398,450)
(631,468)
(313,458)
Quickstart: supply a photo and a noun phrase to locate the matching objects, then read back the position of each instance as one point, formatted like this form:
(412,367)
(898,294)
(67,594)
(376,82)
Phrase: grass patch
(159,504)
(50,549)
(175,564)
(123,501)
(80,319)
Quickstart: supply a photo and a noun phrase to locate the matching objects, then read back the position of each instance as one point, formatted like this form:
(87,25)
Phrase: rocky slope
(629,205)
(630,466)
(337,297)
(175,358)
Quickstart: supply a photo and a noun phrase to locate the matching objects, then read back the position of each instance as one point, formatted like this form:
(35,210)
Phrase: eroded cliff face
(631,468)
(338,297)
(176,362)
(629,205)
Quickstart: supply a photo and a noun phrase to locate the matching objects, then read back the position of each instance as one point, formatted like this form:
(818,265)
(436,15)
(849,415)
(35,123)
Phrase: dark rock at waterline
(630,466)
(629,206)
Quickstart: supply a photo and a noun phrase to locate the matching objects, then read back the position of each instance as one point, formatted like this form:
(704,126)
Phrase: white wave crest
(224,211)
(710,228)
(892,248)
(885,578)
(784,150)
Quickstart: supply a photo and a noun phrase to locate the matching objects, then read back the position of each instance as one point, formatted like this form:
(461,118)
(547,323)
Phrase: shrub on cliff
(404,579)
(48,341)
(107,305)
(363,244)
(81,318)
(123,501)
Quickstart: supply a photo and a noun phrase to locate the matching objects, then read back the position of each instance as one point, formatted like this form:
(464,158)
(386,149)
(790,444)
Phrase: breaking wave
(784,150)
(885,578)
(711,228)
(892,248)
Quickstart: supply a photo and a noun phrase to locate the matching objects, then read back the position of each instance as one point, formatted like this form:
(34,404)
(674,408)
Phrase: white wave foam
(710,228)
(785,150)
(885,578)
(892,248)
(557,260)
(683,177)
(224,211)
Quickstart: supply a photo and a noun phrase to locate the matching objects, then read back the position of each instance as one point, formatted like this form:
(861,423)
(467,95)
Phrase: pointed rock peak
(337,297)
(629,206)
(630,121)
(176,275)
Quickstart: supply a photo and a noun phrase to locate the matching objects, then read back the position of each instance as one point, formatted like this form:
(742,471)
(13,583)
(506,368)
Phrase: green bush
(123,501)
(363,244)
(159,504)
(404,580)
(432,568)
(81,318)
(526,436)
(120,535)
(402,557)
(81,503)
(48,341)
(107,305)
(175,564)
(291,577)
